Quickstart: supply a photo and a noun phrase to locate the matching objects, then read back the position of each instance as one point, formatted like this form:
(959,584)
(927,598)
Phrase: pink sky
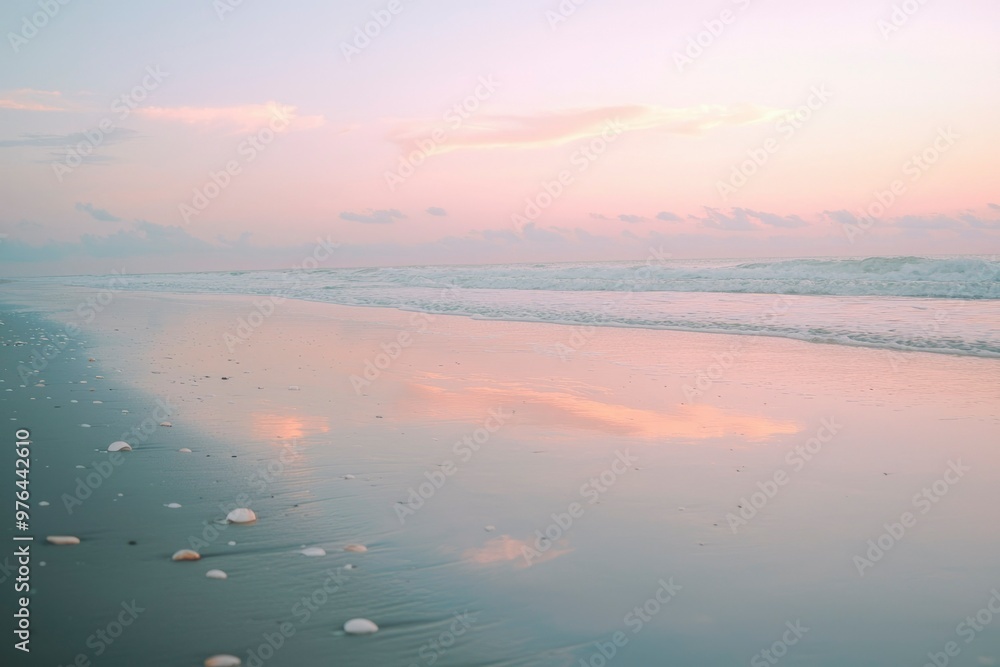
(528,135)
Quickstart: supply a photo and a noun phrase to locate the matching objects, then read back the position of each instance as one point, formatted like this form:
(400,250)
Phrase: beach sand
(701,494)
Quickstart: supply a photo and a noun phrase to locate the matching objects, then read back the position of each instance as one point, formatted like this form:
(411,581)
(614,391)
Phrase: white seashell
(356,548)
(348,476)
(184,450)
(490,529)
(360,626)
(119,446)
(313,551)
(223,661)
(241,515)
(167,424)
(231,543)
(216,574)
(44,503)
(293,387)
(85,425)
(186,554)
(62,540)
(173,506)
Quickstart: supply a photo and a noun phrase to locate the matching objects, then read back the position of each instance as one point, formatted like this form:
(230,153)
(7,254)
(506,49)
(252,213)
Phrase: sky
(240,134)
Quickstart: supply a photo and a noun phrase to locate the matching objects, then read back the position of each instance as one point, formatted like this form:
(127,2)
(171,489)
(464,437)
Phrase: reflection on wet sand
(507,549)
(270,426)
(549,406)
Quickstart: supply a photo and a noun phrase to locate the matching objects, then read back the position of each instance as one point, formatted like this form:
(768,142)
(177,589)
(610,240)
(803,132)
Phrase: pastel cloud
(437,210)
(561,127)
(96,213)
(667,216)
(242,118)
(742,220)
(29,99)
(736,221)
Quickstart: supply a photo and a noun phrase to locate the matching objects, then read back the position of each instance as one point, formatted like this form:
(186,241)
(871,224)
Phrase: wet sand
(528,494)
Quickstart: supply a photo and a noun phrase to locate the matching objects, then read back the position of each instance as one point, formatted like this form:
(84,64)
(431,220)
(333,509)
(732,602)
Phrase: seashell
(119,446)
(360,626)
(356,548)
(241,515)
(313,551)
(186,554)
(216,574)
(62,540)
(223,660)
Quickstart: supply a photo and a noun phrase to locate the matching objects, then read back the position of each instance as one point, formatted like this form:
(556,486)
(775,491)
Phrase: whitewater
(944,305)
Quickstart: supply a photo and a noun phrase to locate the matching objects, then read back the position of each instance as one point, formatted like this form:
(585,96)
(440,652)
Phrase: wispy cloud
(437,210)
(235,119)
(29,99)
(383,217)
(736,221)
(742,219)
(667,216)
(96,213)
(775,220)
(560,127)
(65,140)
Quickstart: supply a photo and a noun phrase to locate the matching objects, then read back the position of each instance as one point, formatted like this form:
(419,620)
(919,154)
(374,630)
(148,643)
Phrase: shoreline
(327,462)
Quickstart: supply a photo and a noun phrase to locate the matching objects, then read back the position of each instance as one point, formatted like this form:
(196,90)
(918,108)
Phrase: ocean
(947,305)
